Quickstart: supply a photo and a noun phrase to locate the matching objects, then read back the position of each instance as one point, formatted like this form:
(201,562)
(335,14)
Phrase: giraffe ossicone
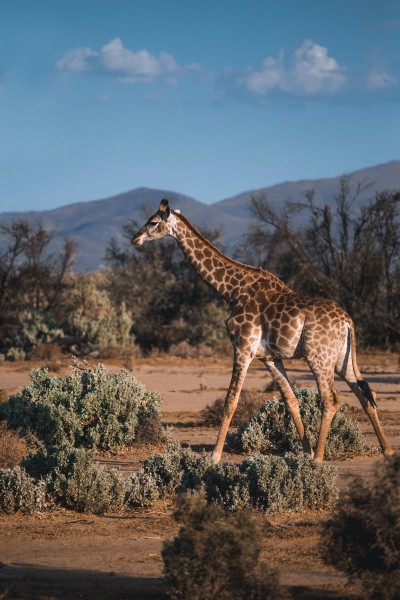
(271,322)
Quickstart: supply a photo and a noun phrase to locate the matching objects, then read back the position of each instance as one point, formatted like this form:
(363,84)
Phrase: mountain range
(92,224)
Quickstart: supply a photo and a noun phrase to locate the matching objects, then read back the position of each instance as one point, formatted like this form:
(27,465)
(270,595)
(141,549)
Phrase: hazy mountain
(93,223)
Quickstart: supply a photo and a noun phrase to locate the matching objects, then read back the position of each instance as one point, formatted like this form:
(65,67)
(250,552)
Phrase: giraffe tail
(364,386)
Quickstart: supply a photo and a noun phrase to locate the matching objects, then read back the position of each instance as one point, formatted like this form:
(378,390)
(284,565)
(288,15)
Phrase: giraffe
(271,322)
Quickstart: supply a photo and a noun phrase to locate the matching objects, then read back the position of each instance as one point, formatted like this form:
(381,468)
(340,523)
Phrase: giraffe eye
(153,223)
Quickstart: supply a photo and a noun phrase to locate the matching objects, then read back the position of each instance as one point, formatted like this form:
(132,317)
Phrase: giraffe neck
(226,276)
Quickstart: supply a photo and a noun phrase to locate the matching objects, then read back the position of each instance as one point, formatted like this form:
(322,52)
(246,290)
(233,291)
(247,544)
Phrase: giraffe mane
(214,248)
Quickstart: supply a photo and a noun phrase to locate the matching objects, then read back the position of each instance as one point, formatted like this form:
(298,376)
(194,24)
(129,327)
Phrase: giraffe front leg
(240,366)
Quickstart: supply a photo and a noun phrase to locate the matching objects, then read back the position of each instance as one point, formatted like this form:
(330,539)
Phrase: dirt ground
(65,555)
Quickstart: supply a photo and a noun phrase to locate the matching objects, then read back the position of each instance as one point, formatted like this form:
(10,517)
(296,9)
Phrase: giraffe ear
(164,209)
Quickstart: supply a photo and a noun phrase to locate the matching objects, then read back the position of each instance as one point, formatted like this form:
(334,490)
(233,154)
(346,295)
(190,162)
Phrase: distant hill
(92,224)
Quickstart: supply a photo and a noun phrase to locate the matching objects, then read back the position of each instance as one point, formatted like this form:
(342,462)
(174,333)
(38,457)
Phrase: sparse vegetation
(273,429)
(363,537)
(216,555)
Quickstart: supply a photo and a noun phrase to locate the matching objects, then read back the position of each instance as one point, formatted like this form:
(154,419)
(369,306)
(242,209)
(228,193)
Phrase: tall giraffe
(271,322)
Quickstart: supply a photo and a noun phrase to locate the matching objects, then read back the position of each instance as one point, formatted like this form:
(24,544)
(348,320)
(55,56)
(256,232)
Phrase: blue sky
(207,98)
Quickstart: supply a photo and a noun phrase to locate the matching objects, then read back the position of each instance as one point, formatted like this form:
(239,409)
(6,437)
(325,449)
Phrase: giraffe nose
(136,240)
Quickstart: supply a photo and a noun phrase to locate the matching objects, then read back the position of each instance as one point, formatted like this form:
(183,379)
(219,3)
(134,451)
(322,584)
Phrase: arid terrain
(63,554)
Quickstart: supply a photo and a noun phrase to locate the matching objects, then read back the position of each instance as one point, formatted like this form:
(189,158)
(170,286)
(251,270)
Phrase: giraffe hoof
(388,453)
(216,457)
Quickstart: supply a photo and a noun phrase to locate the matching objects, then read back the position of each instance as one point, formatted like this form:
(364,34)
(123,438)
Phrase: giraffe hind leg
(330,404)
(366,396)
(367,391)
(280,377)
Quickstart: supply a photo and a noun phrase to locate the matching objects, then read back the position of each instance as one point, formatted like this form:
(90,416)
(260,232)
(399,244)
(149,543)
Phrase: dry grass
(250,403)
(13,448)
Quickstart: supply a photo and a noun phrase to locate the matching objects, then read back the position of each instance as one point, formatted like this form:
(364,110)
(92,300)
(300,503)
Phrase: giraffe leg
(279,375)
(366,397)
(240,366)
(330,403)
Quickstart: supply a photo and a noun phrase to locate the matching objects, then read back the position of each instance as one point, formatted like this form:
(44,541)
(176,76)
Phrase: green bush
(74,481)
(177,469)
(273,484)
(215,555)
(273,429)
(20,492)
(363,537)
(35,327)
(68,477)
(88,408)
(92,314)
(268,483)
(142,490)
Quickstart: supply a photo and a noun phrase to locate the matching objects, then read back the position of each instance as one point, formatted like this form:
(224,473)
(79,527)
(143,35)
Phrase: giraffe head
(156,227)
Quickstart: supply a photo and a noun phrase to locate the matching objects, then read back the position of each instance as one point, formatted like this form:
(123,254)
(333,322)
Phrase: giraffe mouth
(137,240)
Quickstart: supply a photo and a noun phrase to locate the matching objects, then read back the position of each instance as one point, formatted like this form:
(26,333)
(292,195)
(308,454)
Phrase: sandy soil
(65,555)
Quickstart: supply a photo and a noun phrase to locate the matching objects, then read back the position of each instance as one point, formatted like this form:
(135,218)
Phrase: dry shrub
(249,404)
(185,350)
(3,396)
(151,431)
(363,537)
(216,555)
(50,352)
(12,448)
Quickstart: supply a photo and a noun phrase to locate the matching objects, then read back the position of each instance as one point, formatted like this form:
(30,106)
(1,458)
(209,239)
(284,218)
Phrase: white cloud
(136,66)
(379,79)
(128,66)
(76,60)
(270,76)
(314,71)
(309,71)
